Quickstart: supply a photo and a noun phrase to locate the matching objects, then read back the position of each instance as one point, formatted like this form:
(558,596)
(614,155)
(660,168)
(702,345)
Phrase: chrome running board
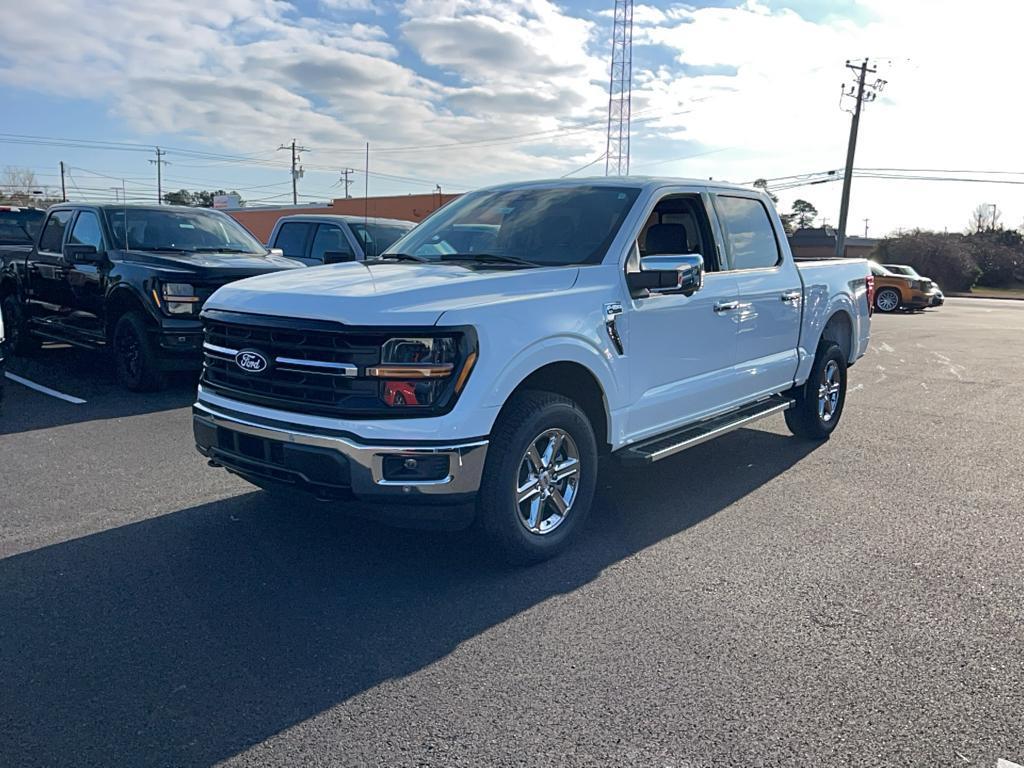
(663,446)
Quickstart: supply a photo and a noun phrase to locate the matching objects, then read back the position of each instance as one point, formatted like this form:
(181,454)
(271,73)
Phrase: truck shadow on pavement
(185,639)
(85,374)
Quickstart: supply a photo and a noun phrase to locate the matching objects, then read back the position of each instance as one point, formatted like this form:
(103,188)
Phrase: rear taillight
(871,294)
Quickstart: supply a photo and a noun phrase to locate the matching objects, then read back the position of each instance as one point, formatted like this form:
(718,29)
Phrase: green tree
(202,198)
(803,214)
(948,259)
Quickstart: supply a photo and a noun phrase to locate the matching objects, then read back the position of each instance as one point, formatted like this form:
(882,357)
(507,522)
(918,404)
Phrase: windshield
(899,269)
(150,229)
(549,227)
(377,238)
(19,227)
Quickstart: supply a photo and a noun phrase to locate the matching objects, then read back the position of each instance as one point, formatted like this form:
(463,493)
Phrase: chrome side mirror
(669,273)
(275,251)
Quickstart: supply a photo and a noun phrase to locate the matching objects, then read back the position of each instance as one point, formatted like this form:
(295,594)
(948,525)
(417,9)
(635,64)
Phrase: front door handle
(726,306)
(791,296)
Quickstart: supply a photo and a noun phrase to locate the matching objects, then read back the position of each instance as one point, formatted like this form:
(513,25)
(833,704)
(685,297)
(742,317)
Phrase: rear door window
(292,238)
(53,232)
(748,232)
(329,237)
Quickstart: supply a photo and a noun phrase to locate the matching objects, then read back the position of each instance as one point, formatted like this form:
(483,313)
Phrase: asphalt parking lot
(757,601)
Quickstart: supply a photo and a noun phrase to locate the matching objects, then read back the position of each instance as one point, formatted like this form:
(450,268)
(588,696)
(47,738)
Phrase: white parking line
(1006,764)
(44,390)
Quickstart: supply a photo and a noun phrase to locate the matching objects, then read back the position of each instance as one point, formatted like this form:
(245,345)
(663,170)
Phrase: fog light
(422,468)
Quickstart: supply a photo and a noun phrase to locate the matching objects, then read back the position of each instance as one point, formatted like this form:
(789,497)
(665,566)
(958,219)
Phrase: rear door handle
(726,306)
(791,296)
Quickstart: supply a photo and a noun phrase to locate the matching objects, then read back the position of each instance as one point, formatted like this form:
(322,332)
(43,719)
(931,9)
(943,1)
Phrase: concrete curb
(979,296)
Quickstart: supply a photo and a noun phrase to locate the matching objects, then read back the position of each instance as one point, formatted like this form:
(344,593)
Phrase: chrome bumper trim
(466,460)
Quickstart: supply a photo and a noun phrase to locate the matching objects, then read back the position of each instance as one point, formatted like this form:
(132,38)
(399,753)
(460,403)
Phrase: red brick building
(260,220)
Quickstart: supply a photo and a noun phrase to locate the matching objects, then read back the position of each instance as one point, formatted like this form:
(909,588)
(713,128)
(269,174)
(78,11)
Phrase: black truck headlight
(418,371)
(177,298)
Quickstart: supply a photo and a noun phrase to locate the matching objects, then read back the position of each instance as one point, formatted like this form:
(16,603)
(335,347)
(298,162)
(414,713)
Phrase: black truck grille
(310,366)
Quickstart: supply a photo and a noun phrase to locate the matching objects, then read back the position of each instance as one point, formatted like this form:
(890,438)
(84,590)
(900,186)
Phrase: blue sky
(468,92)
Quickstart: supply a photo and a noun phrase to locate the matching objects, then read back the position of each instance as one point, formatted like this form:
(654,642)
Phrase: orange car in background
(894,291)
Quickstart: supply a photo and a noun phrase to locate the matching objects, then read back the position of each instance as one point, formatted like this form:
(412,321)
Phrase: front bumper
(336,466)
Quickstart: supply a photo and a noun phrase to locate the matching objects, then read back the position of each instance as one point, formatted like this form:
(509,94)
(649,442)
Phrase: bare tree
(19,186)
(985,216)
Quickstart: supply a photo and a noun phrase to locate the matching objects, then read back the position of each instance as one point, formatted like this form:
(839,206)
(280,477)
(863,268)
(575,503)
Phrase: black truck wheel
(539,478)
(20,341)
(819,402)
(138,367)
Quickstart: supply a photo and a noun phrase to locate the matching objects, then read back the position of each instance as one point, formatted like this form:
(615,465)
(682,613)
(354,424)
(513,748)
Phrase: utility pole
(63,190)
(994,215)
(366,187)
(348,182)
(159,162)
(117,194)
(866,228)
(297,172)
(861,92)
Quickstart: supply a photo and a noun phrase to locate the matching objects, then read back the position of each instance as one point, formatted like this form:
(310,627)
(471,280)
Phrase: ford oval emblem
(251,361)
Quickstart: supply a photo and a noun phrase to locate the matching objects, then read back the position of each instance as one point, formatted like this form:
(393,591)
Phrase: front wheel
(819,402)
(539,479)
(138,368)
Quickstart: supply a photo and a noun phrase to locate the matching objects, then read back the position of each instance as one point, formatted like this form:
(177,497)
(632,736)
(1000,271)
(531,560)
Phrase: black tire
(19,340)
(138,367)
(891,293)
(805,418)
(525,419)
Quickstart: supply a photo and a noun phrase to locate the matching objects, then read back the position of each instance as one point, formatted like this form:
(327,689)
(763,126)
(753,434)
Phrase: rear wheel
(887,300)
(16,329)
(819,402)
(138,368)
(539,480)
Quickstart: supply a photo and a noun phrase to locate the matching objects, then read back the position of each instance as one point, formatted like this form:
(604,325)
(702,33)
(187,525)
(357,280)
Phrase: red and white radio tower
(620,91)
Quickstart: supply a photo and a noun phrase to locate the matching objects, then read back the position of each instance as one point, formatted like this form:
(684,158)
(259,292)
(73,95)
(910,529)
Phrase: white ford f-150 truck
(475,372)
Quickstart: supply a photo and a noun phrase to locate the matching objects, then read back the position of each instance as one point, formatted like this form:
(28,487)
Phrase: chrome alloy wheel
(888,300)
(828,392)
(548,477)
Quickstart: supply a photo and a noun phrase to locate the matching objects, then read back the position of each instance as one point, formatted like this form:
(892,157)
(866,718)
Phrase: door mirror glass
(669,273)
(338,257)
(81,254)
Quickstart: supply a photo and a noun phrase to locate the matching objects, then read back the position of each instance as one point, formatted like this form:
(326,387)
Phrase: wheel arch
(578,383)
(120,301)
(839,328)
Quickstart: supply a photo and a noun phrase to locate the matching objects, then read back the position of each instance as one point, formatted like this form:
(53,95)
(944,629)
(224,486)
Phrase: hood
(386,293)
(209,266)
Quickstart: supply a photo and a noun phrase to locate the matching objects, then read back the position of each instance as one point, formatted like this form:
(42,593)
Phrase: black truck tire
(819,402)
(544,442)
(138,367)
(20,341)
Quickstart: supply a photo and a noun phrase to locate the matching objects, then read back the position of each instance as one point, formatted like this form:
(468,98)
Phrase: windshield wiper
(492,258)
(401,257)
(218,249)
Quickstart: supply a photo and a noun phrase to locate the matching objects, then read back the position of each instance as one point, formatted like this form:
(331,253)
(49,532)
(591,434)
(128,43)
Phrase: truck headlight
(421,370)
(178,298)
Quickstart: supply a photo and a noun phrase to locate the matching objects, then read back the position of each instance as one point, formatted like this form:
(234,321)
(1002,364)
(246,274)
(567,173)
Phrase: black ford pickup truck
(129,278)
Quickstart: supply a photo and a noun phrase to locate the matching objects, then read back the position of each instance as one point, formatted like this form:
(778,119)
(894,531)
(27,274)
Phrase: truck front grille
(307,366)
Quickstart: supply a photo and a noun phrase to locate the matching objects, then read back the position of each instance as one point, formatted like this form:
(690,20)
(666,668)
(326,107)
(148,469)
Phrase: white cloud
(759,88)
